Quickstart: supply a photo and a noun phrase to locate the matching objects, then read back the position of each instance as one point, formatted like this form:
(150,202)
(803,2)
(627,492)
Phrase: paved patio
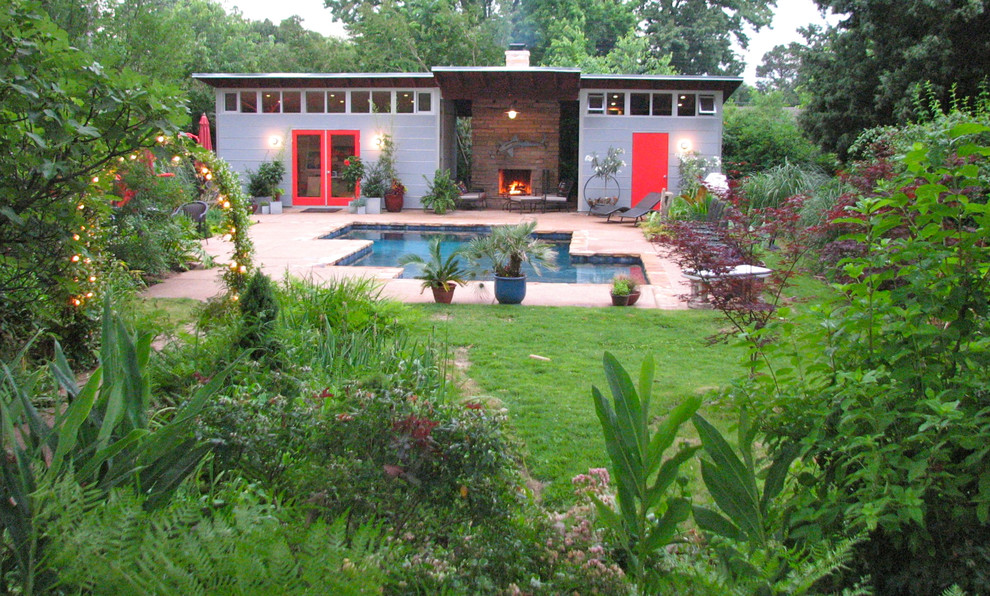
(291,242)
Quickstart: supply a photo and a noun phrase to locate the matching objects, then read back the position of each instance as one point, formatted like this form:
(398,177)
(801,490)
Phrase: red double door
(317,164)
(650,154)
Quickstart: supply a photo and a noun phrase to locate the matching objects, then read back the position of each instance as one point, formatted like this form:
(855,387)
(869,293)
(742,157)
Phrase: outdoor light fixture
(378,141)
(274,140)
(684,145)
(512,113)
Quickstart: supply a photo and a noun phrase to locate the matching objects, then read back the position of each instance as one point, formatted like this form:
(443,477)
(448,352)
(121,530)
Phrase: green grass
(549,402)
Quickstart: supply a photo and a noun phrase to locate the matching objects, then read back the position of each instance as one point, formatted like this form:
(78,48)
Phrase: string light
(96,179)
(161,138)
(92,278)
(75,237)
(75,258)
(80,206)
(176,159)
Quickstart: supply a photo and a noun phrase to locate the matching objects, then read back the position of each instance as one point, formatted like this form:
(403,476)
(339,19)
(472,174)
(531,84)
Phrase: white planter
(276,207)
(374,205)
(362,210)
(266,209)
(352,208)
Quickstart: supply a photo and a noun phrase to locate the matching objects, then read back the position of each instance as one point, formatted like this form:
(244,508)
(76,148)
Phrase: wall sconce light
(378,141)
(684,145)
(274,140)
(512,112)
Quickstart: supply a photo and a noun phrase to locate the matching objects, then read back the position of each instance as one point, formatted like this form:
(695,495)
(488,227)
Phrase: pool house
(530,127)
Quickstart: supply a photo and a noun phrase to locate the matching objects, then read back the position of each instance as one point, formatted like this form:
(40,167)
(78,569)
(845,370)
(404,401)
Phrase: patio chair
(558,200)
(640,211)
(196,211)
(471,199)
(606,210)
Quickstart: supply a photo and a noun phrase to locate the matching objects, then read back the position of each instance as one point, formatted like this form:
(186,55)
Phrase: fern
(115,547)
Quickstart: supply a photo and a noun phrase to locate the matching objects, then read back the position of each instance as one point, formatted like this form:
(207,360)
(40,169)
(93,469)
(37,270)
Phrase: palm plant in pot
(507,248)
(442,275)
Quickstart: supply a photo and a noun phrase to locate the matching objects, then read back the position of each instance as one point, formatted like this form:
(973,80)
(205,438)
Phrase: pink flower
(347,162)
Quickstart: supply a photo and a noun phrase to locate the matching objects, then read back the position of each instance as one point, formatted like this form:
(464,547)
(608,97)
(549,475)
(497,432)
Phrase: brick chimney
(517,56)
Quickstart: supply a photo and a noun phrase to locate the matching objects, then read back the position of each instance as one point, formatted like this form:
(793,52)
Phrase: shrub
(441,193)
(264,182)
(885,389)
(259,313)
(765,135)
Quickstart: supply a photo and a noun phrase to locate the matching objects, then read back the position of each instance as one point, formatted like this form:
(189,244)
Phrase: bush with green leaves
(265,181)
(259,314)
(884,390)
(101,437)
(441,193)
(764,135)
(238,543)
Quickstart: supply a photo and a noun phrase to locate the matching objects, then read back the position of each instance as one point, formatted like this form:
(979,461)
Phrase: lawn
(549,401)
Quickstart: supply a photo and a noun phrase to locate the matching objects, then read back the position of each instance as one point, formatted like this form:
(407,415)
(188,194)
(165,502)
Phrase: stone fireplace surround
(538,123)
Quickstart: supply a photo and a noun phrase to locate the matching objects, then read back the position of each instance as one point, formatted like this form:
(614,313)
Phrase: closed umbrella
(204,133)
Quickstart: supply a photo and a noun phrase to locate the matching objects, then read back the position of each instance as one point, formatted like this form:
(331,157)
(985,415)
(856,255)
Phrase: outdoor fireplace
(515,182)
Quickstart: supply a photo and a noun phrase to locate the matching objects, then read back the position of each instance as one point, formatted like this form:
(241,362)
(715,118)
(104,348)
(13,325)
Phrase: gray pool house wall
(425,139)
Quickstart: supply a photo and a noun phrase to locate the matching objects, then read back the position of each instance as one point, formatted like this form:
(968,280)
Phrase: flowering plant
(608,166)
(353,172)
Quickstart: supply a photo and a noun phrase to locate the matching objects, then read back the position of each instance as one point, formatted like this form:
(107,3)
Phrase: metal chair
(196,211)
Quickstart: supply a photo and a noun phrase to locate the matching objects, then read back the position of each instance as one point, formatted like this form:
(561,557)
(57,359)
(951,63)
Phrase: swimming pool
(389,243)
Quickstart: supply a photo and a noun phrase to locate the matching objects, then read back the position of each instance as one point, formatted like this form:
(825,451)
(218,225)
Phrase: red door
(317,162)
(650,151)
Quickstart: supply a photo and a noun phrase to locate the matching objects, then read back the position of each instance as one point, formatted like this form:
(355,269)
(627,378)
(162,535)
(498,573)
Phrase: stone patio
(291,242)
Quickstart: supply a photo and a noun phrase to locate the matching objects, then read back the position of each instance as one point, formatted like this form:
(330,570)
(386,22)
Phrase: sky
(790,15)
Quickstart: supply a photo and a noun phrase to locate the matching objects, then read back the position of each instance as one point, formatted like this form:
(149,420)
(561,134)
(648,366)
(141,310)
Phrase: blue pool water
(391,244)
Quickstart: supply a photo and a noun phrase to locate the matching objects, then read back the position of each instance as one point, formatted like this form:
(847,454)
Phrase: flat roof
(270,80)
(480,82)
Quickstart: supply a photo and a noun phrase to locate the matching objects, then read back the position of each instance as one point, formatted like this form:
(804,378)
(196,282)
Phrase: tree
(698,34)
(764,134)
(865,71)
(64,120)
(779,71)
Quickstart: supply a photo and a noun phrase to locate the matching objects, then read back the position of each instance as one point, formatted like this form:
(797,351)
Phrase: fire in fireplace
(515,182)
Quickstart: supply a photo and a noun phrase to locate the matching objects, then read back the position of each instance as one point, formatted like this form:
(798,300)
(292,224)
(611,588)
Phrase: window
(425,102)
(230,102)
(685,104)
(249,102)
(405,102)
(381,102)
(271,102)
(596,103)
(616,104)
(360,102)
(662,104)
(315,102)
(706,104)
(291,101)
(639,104)
(336,102)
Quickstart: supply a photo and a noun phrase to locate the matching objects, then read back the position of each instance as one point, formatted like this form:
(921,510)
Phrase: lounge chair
(606,210)
(640,211)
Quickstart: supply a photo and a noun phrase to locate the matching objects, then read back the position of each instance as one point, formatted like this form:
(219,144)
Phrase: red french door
(650,151)
(317,163)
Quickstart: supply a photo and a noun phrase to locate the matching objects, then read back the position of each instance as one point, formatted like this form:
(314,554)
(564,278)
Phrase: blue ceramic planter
(510,290)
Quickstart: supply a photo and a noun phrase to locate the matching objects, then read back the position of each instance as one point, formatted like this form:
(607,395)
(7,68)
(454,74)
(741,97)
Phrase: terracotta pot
(442,296)
(393,201)
(633,297)
(620,299)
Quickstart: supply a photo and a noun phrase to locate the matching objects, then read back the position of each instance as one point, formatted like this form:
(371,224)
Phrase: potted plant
(276,206)
(394,196)
(351,174)
(441,193)
(263,183)
(507,248)
(625,291)
(358,205)
(605,169)
(441,275)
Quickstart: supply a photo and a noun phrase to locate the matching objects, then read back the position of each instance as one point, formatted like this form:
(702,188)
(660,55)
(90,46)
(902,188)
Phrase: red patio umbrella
(204,133)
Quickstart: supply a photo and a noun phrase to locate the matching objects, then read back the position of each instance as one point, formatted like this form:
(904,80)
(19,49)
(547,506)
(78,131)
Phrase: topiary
(259,312)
